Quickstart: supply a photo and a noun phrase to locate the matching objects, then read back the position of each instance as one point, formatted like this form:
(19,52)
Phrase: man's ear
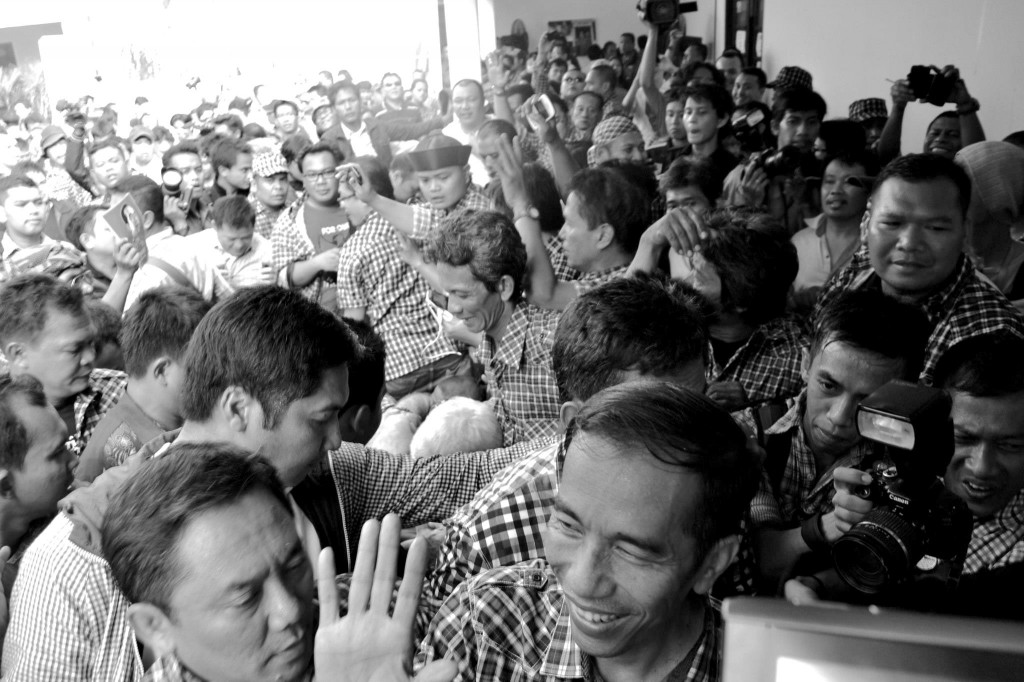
(775,127)
(506,287)
(601,154)
(605,236)
(87,240)
(567,412)
(357,424)
(15,354)
(715,562)
(805,365)
(158,369)
(148,218)
(6,484)
(238,408)
(152,627)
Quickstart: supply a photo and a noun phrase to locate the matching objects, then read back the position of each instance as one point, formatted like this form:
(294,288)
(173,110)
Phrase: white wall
(612,17)
(851,48)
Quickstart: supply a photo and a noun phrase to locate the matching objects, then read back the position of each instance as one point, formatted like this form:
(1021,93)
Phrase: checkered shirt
(559,261)
(520,382)
(170,669)
(533,146)
(802,491)
(290,244)
(60,608)
(266,218)
(998,541)
(371,275)
(59,186)
(426,218)
(105,389)
(768,364)
(592,280)
(512,624)
(966,307)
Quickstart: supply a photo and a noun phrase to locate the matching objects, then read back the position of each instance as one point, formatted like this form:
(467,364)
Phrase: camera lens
(877,552)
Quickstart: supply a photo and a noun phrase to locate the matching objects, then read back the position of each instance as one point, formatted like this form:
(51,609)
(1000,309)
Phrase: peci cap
(266,164)
(439,151)
(791,77)
(867,109)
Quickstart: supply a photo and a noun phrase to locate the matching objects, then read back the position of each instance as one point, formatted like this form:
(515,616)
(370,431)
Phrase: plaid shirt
(170,669)
(290,244)
(592,280)
(105,389)
(371,275)
(559,261)
(965,307)
(265,218)
(59,186)
(767,365)
(520,382)
(998,541)
(426,218)
(802,492)
(512,624)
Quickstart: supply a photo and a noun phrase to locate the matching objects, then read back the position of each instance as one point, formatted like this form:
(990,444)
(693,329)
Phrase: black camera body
(661,12)
(917,529)
(778,162)
(930,84)
(749,124)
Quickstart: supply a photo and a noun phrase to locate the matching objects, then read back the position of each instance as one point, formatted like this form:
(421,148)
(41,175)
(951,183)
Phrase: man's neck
(608,259)
(14,524)
(353,128)
(229,189)
(497,332)
(706,148)
(147,396)
(323,207)
(212,430)
(102,263)
(656,658)
(25,241)
(730,329)
(841,228)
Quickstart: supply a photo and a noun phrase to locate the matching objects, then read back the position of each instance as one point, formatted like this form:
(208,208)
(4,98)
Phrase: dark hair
(13,436)
(628,35)
(162,134)
(185,118)
(278,103)
(225,153)
(149,515)
(797,99)
(715,95)
(755,267)
(487,242)
(874,322)
(1016,138)
(26,301)
(696,172)
(759,74)
(689,72)
(241,103)
(233,211)
(496,127)
(203,108)
(524,90)
(701,48)
(649,324)
(856,157)
(377,174)
(731,52)
(366,369)
(232,121)
(988,365)
(298,342)
(914,168)
(160,323)
(322,147)
(146,193)
(606,74)
(607,196)
(543,194)
(186,147)
(680,427)
(842,136)
(390,73)
(108,143)
(105,320)
(559,62)
(12,181)
(589,93)
(23,168)
(338,86)
(293,145)
(81,221)
(252,131)
(944,114)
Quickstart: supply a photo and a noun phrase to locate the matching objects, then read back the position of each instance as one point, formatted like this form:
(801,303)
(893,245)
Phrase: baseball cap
(791,77)
(139,132)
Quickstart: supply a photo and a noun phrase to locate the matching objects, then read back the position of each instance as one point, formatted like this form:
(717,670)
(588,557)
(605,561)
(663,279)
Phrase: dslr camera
(749,125)
(778,162)
(930,84)
(917,531)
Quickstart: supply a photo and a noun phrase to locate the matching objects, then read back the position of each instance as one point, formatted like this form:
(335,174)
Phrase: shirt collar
(935,305)
(563,658)
(510,349)
(10,248)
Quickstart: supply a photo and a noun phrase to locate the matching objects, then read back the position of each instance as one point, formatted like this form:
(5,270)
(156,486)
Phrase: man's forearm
(303,272)
(889,142)
(563,164)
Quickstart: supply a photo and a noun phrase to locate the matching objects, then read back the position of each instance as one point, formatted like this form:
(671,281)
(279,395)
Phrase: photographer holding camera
(773,180)
(985,379)
(950,130)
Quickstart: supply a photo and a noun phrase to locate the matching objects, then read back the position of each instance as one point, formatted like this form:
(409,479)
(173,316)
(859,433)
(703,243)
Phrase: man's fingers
(849,480)
(412,582)
(326,587)
(362,574)
(387,559)
(5,554)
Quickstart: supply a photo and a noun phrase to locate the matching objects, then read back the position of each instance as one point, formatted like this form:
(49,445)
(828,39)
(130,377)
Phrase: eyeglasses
(325,174)
(572,79)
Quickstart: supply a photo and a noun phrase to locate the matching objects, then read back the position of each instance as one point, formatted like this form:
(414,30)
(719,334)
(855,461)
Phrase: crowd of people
(592,349)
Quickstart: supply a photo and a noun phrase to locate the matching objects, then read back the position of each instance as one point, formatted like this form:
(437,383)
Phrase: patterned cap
(607,131)
(791,77)
(266,164)
(867,109)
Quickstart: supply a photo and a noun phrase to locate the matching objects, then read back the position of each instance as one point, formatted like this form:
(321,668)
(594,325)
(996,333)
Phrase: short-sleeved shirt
(372,276)
(767,365)
(291,243)
(517,370)
(120,434)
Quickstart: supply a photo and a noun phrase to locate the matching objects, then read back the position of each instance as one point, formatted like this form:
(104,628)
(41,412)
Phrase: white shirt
(360,140)
(477,169)
(241,271)
(180,253)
